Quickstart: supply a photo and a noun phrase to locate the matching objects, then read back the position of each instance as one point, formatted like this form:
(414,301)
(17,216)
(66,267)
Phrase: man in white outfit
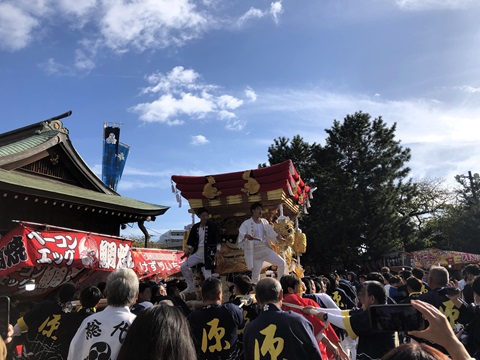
(254,237)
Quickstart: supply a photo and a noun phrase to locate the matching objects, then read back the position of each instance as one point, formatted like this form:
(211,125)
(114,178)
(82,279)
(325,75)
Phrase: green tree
(361,189)
(360,175)
(469,191)
(297,150)
(458,226)
(431,201)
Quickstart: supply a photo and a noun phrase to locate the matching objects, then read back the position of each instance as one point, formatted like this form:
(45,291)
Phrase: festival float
(228,197)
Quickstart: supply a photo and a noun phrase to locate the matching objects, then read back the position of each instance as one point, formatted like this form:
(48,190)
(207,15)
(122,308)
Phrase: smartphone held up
(395,317)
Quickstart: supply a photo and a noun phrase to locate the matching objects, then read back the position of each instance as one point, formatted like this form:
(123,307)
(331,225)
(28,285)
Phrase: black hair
(414,351)
(66,292)
(473,269)
(332,283)
(375,289)
(395,279)
(243,284)
(158,333)
(476,286)
(210,289)
(318,286)
(173,285)
(405,274)
(308,285)
(143,286)
(326,281)
(414,283)
(102,285)
(418,273)
(376,276)
(90,296)
(201,210)
(255,205)
(289,281)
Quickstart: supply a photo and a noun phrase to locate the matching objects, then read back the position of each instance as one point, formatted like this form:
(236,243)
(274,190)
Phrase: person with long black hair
(158,333)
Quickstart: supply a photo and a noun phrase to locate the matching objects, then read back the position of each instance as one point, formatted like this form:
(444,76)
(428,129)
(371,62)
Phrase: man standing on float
(254,237)
(203,242)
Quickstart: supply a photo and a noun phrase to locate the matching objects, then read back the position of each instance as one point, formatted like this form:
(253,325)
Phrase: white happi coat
(101,334)
(248,227)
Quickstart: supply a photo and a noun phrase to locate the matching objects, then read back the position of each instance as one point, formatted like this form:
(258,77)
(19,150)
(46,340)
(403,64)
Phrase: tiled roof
(27,143)
(56,190)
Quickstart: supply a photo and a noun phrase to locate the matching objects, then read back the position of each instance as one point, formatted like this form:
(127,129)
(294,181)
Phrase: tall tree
(297,150)
(431,201)
(361,175)
(458,227)
(361,185)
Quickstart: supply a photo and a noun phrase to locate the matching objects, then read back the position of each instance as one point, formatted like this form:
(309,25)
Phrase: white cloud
(16,27)
(151,24)
(468,89)
(181,95)
(83,61)
(175,122)
(250,94)
(252,13)
(176,80)
(275,10)
(167,106)
(228,102)
(77,8)
(52,67)
(129,171)
(436,4)
(443,136)
(224,114)
(235,124)
(126,184)
(199,140)
(117,25)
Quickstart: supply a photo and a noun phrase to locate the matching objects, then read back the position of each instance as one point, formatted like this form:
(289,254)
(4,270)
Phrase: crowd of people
(252,317)
(289,318)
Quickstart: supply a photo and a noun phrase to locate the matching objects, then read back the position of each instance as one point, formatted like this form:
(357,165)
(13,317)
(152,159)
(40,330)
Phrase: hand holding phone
(395,317)
(439,330)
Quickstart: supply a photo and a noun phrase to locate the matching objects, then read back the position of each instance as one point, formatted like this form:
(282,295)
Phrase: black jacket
(212,238)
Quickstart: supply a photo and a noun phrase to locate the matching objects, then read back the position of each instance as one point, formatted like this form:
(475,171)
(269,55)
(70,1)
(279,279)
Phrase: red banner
(54,256)
(27,246)
(156,264)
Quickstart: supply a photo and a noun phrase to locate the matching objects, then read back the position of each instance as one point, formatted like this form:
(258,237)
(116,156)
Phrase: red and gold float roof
(231,194)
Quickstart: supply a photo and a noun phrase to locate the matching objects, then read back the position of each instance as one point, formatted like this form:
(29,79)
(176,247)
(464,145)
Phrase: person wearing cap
(203,243)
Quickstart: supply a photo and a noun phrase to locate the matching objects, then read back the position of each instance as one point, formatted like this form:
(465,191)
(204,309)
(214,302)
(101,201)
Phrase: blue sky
(203,87)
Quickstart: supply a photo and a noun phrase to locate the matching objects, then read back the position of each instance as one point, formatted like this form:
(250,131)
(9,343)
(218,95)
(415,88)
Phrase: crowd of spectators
(313,317)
